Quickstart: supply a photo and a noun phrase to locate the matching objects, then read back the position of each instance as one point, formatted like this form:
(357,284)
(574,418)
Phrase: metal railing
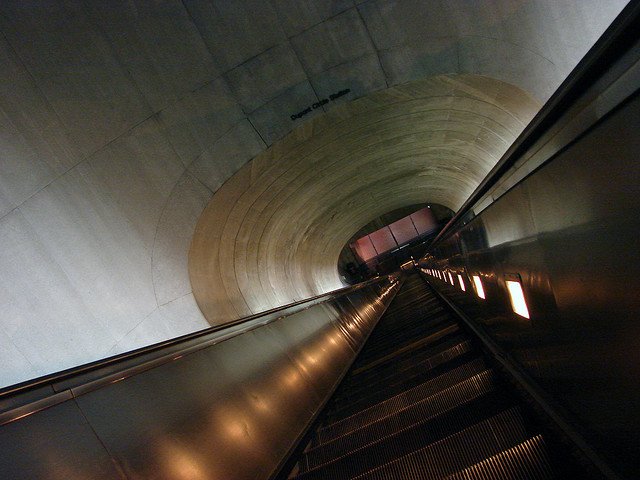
(153,355)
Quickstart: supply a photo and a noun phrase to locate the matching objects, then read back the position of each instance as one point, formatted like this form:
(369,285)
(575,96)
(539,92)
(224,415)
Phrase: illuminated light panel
(478,283)
(461,283)
(518,302)
(450,278)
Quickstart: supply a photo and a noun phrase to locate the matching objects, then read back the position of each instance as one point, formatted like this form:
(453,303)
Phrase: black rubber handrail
(621,35)
(156,347)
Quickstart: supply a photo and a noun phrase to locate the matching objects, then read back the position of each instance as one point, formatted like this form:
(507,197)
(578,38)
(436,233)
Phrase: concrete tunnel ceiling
(273,233)
(119,120)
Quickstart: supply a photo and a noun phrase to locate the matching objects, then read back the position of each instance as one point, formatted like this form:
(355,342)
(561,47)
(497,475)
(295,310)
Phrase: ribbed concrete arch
(273,233)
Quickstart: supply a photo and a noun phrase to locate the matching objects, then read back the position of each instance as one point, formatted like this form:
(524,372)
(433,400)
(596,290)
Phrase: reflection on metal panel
(570,231)
(234,409)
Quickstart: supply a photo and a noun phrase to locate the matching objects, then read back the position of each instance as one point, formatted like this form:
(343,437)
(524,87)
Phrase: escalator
(422,401)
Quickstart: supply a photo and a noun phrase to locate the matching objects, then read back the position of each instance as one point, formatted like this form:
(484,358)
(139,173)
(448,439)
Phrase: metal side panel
(232,410)
(225,412)
(55,444)
(316,346)
(568,233)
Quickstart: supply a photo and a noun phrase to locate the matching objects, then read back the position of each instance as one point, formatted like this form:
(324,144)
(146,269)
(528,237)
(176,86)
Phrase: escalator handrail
(61,376)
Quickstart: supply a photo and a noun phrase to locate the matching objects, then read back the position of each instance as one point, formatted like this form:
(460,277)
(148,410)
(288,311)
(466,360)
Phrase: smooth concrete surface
(118,121)
(273,233)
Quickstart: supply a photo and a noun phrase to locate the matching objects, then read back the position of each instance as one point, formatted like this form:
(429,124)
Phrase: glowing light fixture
(450,278)
(518,302)
(461,283)
(478,283)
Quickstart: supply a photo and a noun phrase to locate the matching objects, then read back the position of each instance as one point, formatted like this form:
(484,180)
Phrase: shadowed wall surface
(120,119)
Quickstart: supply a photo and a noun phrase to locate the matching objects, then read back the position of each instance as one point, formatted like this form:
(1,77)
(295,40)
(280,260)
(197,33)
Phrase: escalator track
(422,401)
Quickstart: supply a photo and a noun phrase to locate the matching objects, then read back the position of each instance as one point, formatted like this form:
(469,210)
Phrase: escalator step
(408,334)
(449,329)
(409,417)
(527,461)
(420,403)
(465,415)
(404,369)
(456,452)
(401,401)
(348,405)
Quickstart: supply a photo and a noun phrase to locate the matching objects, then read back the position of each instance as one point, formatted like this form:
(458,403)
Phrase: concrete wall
(273,233)
(119,119)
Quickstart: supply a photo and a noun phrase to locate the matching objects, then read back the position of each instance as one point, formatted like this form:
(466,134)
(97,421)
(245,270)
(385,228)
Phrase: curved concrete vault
(273,233)
(119,120)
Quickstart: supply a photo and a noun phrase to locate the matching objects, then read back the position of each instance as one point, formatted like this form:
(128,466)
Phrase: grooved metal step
(420,403)
(526,461)
(377,453)
(361,396)
(457,452)
(447,329)
(395,386)
(400,402)
(412,416)
(424,358)
(401,367)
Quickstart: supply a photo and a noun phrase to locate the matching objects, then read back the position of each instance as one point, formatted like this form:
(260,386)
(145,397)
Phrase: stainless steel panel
(224,412)
(56,444)
(231,410)
(106,369)
(316,346)
(570,230)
